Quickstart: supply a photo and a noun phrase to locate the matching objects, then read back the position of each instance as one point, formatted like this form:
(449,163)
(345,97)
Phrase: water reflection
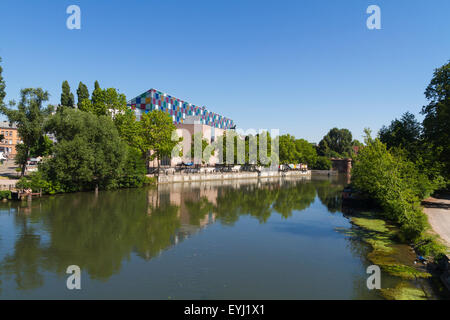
(99,233)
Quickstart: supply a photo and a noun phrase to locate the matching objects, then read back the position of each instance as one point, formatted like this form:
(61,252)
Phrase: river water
(258,239)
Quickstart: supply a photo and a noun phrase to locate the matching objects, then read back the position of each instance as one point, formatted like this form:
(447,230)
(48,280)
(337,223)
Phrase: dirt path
(438,212)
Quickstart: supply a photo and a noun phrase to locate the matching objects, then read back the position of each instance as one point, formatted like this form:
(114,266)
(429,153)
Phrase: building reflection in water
(99,233)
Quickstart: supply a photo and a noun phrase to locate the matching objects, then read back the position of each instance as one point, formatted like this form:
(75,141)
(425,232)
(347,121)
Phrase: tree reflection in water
(97,233)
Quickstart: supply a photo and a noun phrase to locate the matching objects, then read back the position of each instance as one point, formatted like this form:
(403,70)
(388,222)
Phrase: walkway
(438,212)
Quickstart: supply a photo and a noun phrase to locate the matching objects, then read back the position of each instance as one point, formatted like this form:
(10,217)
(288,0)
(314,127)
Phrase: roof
(178,109)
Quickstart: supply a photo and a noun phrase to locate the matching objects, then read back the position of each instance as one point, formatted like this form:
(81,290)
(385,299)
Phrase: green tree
(395,183)
(98,100)
(67,98)
(105,102)
(336,143)
(157,133)
(2,87)
(82,93)
(197,139)
(43,147)
(89,152)
(437,115)
(322,163)
(404,133)
(128,127)
(29,118)
(306,152)
(288,149)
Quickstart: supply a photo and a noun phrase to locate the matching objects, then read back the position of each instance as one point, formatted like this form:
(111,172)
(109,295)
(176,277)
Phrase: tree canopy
(156,133)
(436,124)
(67,98)
(89,151)
(29,118)
(2,86)
(336,143)
(82,92)
(293,150)
(404,133)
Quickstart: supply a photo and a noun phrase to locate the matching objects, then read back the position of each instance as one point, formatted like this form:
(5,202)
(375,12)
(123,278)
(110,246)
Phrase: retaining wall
(191,177)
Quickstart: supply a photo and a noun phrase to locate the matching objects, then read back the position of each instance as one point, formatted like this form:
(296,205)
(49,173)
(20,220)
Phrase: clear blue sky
(300,66)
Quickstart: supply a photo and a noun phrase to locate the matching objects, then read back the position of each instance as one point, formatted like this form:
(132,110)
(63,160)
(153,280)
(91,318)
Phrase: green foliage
(89,151)
(336,143)
(29,118)
(306,152)
(134,170)
(429,245)
(260,149)
(322,163)
(395,183)
(2,87)
(67,98)
(157,133)
(105,102)
(198,140)
(82,93)
(404,133)
(5,194)
(437,116)
(43,147)
(129,129)
(293,150)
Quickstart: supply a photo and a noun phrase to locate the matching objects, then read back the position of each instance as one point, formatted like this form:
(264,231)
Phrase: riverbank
(437,210)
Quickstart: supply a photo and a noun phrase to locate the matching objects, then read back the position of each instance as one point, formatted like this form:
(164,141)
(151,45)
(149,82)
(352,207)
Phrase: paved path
(438,212)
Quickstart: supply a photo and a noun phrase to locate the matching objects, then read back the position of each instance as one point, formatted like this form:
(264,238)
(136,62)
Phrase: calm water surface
(274,239)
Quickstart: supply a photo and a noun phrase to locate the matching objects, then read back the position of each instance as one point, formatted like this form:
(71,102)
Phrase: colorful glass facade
(178,109)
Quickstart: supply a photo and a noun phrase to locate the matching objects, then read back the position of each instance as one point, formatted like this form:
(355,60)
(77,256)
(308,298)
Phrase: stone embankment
(190,177)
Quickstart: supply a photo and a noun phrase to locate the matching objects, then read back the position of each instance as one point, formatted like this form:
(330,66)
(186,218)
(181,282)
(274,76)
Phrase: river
(266,239)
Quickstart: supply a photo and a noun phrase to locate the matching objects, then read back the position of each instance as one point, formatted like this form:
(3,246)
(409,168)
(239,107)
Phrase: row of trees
(99,144)
(409,160)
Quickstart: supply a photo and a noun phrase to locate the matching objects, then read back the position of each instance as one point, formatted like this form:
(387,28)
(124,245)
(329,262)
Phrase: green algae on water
(380,236)
(403,291)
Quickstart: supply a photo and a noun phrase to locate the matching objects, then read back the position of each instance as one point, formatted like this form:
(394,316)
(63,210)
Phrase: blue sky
(300,66)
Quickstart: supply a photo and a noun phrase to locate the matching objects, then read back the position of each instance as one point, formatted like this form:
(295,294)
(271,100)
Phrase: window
(165,161)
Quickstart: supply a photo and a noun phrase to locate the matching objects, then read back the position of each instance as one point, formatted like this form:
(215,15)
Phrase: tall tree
(336,143)
(402,133)
(306,152)
(287,149)
(157,133)
(29,118)
(98,100)
(436,123)
(2,86)
(82,93)
(67,98)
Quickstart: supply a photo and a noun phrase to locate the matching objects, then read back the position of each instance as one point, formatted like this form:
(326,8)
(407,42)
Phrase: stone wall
(191,177)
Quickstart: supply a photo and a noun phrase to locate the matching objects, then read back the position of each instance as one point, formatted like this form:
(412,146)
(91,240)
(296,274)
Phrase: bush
(135,169)
(5,194)
(396,184)
(322,163)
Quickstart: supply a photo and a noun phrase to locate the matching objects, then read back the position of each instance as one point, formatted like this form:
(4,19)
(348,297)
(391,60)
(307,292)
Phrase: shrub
(396,184)
(322,163)
(5,194)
